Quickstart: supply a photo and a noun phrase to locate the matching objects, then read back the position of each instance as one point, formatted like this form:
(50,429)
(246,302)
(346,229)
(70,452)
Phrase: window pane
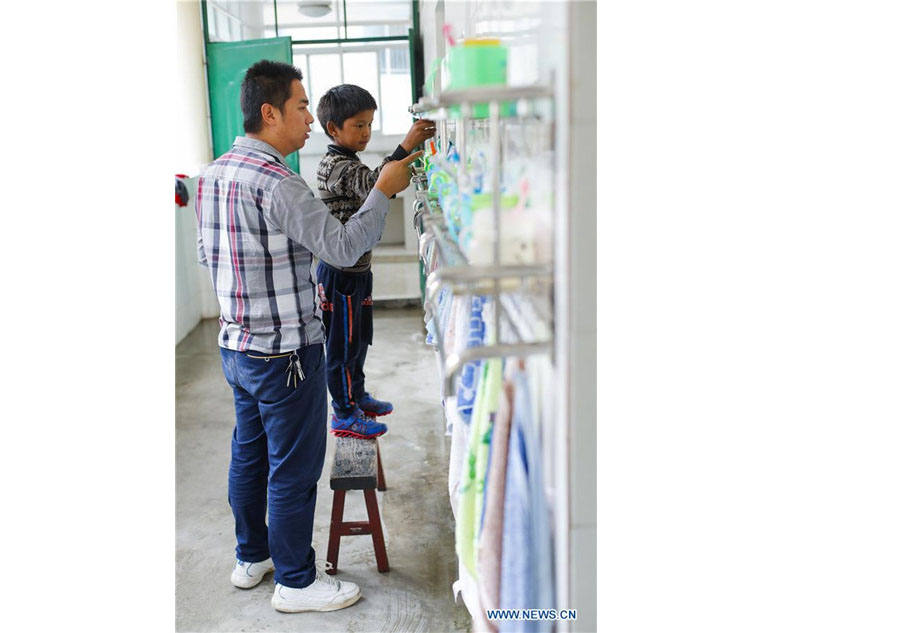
(221,22)
(396,93)
(361,69)
(235,21)
(377,30)
(250,15)
(368,46)
(269,14)
(309,33)
(378,10)
(300,62)
(395,61)
(324,73)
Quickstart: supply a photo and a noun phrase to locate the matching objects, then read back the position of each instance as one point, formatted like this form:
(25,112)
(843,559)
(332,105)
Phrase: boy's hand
(420,130)
(395,175)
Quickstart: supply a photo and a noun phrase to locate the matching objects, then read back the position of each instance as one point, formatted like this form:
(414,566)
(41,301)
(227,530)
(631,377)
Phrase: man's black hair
(342,102)
(265,82)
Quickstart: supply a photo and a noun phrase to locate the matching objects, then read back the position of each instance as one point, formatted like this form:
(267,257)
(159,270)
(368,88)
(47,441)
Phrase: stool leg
(381,485)
(334,536)
(377,535)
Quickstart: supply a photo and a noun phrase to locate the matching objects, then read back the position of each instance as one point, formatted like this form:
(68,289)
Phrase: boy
(346,112)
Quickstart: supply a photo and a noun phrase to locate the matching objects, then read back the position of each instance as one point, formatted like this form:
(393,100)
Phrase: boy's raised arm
(420,131)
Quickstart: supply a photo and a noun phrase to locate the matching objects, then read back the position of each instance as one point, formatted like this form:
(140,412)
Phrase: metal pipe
(459,279)
(444,246)
(351,40)
(454,362)
(380,111)
(465,112)
(494,135)
(484,94)
(477,273)
(275,7)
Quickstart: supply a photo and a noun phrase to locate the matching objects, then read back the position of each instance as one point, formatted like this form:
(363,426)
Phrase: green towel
(471,494)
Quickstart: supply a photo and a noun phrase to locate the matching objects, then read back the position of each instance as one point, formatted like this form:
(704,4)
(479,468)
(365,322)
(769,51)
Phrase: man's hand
(395,175)
(420,130)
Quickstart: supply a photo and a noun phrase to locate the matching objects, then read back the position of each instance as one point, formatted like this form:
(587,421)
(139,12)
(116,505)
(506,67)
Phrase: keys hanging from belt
(294,370)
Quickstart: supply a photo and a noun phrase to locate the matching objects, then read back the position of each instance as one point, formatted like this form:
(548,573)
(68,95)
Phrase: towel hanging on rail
(527,557)
(465,395)
(490,542)
(475,463)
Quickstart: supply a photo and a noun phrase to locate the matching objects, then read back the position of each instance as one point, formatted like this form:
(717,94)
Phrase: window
(382,70)
(348,54)
(234,20)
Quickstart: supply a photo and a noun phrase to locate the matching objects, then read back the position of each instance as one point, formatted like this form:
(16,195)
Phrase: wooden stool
(356,466)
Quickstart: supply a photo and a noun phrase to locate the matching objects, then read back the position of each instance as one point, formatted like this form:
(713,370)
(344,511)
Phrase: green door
(228,63)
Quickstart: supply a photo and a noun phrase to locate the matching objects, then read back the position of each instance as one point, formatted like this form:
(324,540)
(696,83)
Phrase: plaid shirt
(258,227)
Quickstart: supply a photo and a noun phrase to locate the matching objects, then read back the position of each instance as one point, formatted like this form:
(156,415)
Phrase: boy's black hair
(342,102)
(265,82)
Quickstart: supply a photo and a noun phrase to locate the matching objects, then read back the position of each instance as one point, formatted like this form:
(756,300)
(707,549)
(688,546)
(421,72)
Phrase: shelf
(515,288)
(483,94)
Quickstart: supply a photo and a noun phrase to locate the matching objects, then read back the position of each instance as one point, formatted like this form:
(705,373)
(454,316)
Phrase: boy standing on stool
(346,112)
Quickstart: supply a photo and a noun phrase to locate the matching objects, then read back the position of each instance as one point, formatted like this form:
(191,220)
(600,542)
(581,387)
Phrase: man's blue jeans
(278,446)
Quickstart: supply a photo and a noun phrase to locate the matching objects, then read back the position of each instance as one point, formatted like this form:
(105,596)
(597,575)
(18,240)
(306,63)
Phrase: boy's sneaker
(357,424)
(247,575)
(373,407)
(324,594)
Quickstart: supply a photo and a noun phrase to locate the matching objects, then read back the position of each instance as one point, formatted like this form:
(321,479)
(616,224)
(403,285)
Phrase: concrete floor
(415,595)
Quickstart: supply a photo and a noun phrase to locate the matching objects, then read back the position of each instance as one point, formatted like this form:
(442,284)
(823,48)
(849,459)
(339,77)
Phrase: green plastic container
(478,63)
(485,201)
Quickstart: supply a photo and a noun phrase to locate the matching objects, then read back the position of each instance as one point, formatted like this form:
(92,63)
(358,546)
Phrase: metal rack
(455,272)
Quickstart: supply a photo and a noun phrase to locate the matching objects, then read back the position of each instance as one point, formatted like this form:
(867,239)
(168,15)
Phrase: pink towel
(490,541)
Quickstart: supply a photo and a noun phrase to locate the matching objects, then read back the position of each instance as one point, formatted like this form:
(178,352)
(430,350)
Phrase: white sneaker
(325,594)
(247,575)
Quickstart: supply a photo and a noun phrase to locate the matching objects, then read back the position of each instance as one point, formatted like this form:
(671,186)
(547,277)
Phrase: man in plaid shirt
(259,225)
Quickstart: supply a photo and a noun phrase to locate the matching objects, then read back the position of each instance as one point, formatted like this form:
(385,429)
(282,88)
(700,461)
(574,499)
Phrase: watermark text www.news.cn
(532,614)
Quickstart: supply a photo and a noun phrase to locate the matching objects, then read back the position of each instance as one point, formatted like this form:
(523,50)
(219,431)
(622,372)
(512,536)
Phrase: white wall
(194,298)
(582,299)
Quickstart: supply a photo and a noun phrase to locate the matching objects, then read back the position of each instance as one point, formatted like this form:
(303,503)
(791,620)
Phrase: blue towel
(465,395)
(526,576)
